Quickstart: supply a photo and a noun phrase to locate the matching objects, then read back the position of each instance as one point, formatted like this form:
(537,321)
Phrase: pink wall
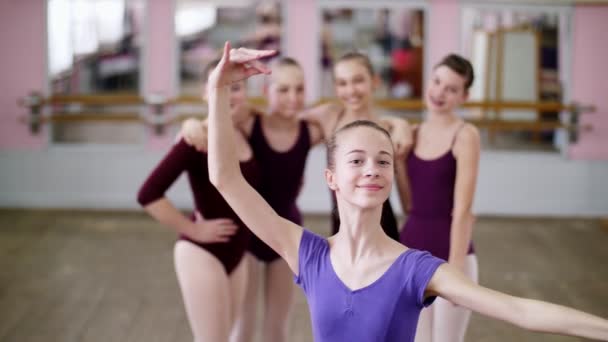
(302,29)
(590,49)
(23,68)
(23,65)
(159,60)
(444,29)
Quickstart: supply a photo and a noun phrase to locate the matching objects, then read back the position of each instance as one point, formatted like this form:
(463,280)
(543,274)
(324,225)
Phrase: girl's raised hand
(238,64)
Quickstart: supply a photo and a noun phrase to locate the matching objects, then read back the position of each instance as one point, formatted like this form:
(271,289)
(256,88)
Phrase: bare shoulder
(324,115)
(392,120)
(323,111)
(468,138)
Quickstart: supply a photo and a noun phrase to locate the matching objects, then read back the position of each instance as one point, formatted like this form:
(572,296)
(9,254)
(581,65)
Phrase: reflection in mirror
(94,48)
(93,45)
(516,58)
(202,27)
(393,38)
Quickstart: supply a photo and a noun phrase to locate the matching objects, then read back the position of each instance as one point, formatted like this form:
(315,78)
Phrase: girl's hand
(213,230)
(194,133)
(238,64)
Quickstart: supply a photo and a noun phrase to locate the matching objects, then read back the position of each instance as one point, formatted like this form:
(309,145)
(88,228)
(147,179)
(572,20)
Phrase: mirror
(393,38)
(94,47)
(202,27)
(516,56)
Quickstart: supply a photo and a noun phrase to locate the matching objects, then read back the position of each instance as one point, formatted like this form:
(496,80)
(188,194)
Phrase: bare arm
(401,134)
(194,131)
(224,172)
(403,185)
(209,231)
(466,151)
(164,212)
(151,196)
(316,133)
(323,116)
(528,314)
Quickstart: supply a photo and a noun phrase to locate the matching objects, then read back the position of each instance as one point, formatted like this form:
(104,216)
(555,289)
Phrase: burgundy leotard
(282,177)
(208,201)
(432,183)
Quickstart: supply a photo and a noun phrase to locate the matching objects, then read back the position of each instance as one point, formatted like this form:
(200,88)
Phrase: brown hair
(358,57)
(286,61)
(461,66)
(332,144)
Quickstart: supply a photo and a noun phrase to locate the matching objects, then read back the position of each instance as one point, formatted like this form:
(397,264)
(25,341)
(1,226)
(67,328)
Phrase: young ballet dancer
(208,255)
(285,96)
(354,84)
(437,185)
(360,284)
(278,138)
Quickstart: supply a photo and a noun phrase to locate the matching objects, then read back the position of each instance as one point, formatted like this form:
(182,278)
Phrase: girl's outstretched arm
(529,314)
(224,171)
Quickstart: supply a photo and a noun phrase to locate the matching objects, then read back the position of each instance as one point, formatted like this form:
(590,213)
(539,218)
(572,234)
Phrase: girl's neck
(441,119)
(277,119)
(365,112)
(360,232)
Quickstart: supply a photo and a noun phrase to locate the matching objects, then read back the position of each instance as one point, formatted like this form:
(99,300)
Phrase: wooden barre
(521,125)
(499,125)
(135,99)
(96,100)
(91,117)
(419,104)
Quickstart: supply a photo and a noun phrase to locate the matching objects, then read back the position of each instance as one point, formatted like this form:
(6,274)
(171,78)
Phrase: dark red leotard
(282,177)
(208,201)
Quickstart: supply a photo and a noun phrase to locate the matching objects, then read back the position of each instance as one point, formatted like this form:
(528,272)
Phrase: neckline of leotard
(447,153)
(260,129)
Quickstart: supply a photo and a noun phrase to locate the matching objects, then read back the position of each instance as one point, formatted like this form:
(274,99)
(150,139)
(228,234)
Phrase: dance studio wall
(589,79)
(34,173)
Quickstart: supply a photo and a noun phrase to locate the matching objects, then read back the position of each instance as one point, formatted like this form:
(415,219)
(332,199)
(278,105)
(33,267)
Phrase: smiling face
(360,169)
(354,83)
(446,90)
(449,84)
(285,91)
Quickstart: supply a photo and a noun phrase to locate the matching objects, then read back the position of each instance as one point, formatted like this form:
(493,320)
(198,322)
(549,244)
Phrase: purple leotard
(386,310)
(282,177)
(208,201)
(432,183)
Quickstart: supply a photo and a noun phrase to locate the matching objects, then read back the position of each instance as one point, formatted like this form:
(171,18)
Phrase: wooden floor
(103,276)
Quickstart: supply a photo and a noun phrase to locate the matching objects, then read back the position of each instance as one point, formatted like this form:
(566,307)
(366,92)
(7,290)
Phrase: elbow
(219,179)
(140,199)
(144,197)
(223,173)
(521,315)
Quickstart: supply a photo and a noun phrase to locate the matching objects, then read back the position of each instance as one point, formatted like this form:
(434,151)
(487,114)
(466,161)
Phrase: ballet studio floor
(108,276)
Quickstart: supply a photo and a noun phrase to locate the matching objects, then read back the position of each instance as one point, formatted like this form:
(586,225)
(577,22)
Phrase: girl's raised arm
(224,172)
